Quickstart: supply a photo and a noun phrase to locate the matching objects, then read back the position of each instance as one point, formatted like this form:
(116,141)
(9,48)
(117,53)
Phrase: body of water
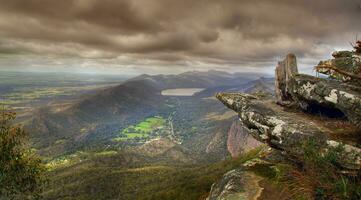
(181,91)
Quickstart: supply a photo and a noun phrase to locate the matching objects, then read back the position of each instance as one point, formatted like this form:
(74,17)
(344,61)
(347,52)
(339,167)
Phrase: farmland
(24,89)
(142,130)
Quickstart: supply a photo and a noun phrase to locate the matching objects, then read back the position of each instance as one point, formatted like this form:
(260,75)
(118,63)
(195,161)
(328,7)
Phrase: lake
(181,91)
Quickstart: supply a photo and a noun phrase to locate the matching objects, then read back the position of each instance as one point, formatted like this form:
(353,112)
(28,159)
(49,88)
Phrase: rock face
(239,140)
(236,185)
(285,70)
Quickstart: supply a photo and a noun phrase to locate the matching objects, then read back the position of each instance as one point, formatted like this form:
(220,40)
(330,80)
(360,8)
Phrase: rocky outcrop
(285,70)
(346,66)
(283,124)
(239,140)
(341,94)
(311,93)
(236,184)
(286,131)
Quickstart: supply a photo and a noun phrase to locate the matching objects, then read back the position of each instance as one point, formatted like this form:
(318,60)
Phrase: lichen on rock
(308,90)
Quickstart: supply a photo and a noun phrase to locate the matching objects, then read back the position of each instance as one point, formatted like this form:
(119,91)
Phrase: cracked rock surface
(287,130)
(306,90)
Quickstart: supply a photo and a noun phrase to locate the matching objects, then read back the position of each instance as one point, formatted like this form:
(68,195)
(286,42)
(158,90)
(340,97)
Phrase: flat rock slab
(288,130)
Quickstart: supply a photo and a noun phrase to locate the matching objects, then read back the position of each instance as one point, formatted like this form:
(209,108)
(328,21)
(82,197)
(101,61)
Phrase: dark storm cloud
(172,32)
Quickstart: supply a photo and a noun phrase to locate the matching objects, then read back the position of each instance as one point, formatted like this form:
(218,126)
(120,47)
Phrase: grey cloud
(171,32)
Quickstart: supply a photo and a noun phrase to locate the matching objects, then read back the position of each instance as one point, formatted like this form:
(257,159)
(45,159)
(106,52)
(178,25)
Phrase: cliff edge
(322,112)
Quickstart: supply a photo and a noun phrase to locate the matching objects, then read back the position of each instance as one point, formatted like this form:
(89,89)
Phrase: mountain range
(99,115)
(122,130)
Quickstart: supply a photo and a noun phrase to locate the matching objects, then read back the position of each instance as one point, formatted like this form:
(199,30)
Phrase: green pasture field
(142,129)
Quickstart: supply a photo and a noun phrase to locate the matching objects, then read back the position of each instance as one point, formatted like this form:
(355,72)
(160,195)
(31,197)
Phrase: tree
(21,171)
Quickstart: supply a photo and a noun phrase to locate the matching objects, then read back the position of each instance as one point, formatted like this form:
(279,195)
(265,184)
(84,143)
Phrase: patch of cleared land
(181,91)
(142,130)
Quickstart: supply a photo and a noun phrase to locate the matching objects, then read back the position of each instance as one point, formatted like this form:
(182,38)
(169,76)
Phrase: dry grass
(306,185)
(319,178)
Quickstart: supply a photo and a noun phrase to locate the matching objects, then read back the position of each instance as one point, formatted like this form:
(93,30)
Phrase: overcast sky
(171,36)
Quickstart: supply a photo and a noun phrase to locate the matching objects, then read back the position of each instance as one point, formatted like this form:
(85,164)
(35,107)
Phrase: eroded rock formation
(288,129)
(285,130)
(311,93)
(324,112)
(285,70)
